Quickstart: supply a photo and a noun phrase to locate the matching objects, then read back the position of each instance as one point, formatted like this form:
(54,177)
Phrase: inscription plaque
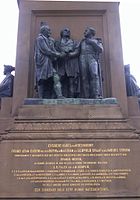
(70,168)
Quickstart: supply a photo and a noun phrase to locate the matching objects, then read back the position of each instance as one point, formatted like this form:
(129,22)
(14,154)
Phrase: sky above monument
(130,31)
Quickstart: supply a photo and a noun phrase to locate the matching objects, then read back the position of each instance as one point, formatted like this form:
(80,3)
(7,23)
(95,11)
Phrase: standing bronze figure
(132,87)
(6,86)
(68,65)
(47,79)
(90,48)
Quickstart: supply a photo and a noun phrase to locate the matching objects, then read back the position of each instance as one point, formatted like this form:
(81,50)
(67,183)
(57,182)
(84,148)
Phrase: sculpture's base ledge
(72,198)
(74,101)
(36,135)
(26,198)
(70,109)
(70,121)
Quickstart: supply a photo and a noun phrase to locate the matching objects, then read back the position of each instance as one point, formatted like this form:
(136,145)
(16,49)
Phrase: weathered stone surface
(30,127)
(70,168)
(105,111)
(70,121)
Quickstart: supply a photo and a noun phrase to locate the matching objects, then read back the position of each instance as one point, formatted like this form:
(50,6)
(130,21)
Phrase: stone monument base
(62,150)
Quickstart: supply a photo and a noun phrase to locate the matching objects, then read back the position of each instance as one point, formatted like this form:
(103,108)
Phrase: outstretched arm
(76,51)
(45,48)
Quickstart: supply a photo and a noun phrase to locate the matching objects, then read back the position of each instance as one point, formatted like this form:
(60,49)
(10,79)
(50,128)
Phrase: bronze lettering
(68,167)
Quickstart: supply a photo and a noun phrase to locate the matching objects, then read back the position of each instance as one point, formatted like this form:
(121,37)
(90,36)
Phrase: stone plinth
(67,148)
(70,118)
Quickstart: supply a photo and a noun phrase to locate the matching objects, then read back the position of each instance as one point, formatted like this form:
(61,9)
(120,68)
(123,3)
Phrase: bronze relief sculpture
(47,79)
(66,68)
(90,48)
(68,64)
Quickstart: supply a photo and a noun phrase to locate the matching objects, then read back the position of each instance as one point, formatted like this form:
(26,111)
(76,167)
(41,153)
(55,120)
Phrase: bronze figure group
(66,68)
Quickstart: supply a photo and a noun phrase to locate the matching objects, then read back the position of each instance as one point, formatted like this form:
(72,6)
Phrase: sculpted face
(46,31)
(87,32)
(65,32)
(5,71)
(8,69)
